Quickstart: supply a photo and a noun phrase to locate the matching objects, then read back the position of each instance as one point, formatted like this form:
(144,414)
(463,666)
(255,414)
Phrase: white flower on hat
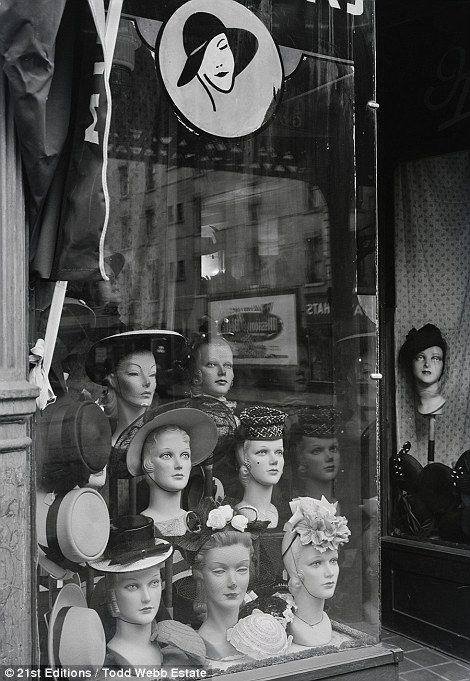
(316,523)
(219,517)
(239,522)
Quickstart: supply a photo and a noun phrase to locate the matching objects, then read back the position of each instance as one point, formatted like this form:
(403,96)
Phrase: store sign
(261,330)
(220,67)
(317,308)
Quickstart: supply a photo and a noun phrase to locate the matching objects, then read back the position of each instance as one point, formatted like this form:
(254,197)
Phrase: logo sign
(220,67)
(261,326)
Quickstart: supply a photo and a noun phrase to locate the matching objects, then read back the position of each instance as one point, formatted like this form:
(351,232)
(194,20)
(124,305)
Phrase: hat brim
(136,566)
(69,596)
(200,427)
(243,44)
(129,341)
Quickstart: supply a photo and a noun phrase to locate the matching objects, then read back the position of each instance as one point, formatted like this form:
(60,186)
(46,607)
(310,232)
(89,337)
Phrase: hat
(198,31)
(104,356)
(316,522)
(76,635)
(259,635)
(201,429)
(322,422)
(462,472)
(78,444)
(416,341)
(437,488)
(132,546)
(75,527)
(261,423)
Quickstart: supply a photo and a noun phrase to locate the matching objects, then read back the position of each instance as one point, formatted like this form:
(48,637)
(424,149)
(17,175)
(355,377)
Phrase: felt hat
(405,470)
(198,31)
(104,356)
(418,340)
(78,444)
(76,635)
(321,422)
(261,423)
(132,546)
(74,527)
(199,426)
(437,488)
(462,472)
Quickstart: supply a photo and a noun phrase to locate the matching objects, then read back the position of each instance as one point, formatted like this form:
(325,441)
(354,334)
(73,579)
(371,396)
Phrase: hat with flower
(316,522)
(208,518)
(261,423)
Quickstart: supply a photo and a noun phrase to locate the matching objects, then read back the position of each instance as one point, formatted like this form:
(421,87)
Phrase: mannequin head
(212,367)
(222,571)
(134,597)
(310,570)
(427,365)
(423,355)
(134,379)
(166,457)
(318,458)
(261,461)
(316,446)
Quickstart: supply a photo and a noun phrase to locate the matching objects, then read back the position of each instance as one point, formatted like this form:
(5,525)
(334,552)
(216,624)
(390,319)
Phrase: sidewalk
(425,664)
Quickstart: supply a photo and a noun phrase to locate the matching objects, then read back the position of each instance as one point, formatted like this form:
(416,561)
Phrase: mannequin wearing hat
(131,565)
(317,452)
(311,561)
(423,356)
(260,454)
(164,450)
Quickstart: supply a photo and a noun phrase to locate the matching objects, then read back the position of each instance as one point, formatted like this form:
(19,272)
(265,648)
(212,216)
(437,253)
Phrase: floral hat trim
(209,518)
(315,522)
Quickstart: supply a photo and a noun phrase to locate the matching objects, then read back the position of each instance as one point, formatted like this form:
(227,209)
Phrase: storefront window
(430,474)
(238,256)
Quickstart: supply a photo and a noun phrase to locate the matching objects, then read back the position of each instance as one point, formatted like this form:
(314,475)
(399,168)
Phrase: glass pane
(241,254)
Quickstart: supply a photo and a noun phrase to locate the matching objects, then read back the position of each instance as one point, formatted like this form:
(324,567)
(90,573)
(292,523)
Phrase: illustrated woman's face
(318,571)
(320,457)
(138,595)
(428,365)
(135,379)
(216,365)
(170,454)
(218,64)
(265,460)
(225,574)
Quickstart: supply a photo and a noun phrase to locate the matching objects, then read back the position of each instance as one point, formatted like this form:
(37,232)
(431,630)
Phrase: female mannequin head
(211,367)
(166,457)
(133,381)
(134,597)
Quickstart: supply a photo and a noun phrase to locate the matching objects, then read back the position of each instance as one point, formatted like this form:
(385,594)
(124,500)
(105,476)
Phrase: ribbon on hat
(136,554)
(39,377)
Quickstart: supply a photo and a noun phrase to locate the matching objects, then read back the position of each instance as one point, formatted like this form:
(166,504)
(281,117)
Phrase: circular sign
(220,67)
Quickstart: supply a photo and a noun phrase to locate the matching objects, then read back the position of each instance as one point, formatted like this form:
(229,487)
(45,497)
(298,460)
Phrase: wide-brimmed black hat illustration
(199,30)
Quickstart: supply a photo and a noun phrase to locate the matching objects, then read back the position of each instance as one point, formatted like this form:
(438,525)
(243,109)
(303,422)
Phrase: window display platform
(426,593)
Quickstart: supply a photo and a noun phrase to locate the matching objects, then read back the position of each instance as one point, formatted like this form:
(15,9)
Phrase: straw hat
(76,635)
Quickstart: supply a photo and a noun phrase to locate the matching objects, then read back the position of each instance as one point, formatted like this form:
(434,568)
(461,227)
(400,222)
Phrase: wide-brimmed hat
(132,546)
(199,426)
(74,527)
(104,356)
(198,31)
(76,635)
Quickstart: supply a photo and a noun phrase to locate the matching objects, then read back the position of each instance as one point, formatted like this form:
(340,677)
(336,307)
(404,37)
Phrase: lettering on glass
(220,67)
(356,8)
(453,88)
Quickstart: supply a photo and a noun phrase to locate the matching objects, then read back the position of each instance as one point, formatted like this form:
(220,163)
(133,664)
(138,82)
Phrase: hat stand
(431,437)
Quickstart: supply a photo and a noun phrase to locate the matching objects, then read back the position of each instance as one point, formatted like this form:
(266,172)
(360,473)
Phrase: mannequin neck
(257,495)
(127,414)
(429,397)
(132,644)
(163,505)
(214,629)
(309,608)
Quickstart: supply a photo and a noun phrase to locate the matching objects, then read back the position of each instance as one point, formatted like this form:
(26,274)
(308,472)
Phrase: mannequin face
(138,595)
(215,363)
(170,456)
(321,457)
(135,379)
(225,574)
(428,365)
(317,571)
(265,460)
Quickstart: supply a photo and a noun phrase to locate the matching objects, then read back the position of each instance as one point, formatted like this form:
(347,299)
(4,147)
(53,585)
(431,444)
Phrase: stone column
(18,639)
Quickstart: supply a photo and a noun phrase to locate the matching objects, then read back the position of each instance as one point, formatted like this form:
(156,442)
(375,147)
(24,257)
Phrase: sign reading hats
(199,426)
(220,67)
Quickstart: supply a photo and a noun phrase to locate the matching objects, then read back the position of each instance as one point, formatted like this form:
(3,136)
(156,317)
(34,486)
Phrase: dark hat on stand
(261,423)
(418,340)
(132,546)
(104,356)
(321,422)
(198,31)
